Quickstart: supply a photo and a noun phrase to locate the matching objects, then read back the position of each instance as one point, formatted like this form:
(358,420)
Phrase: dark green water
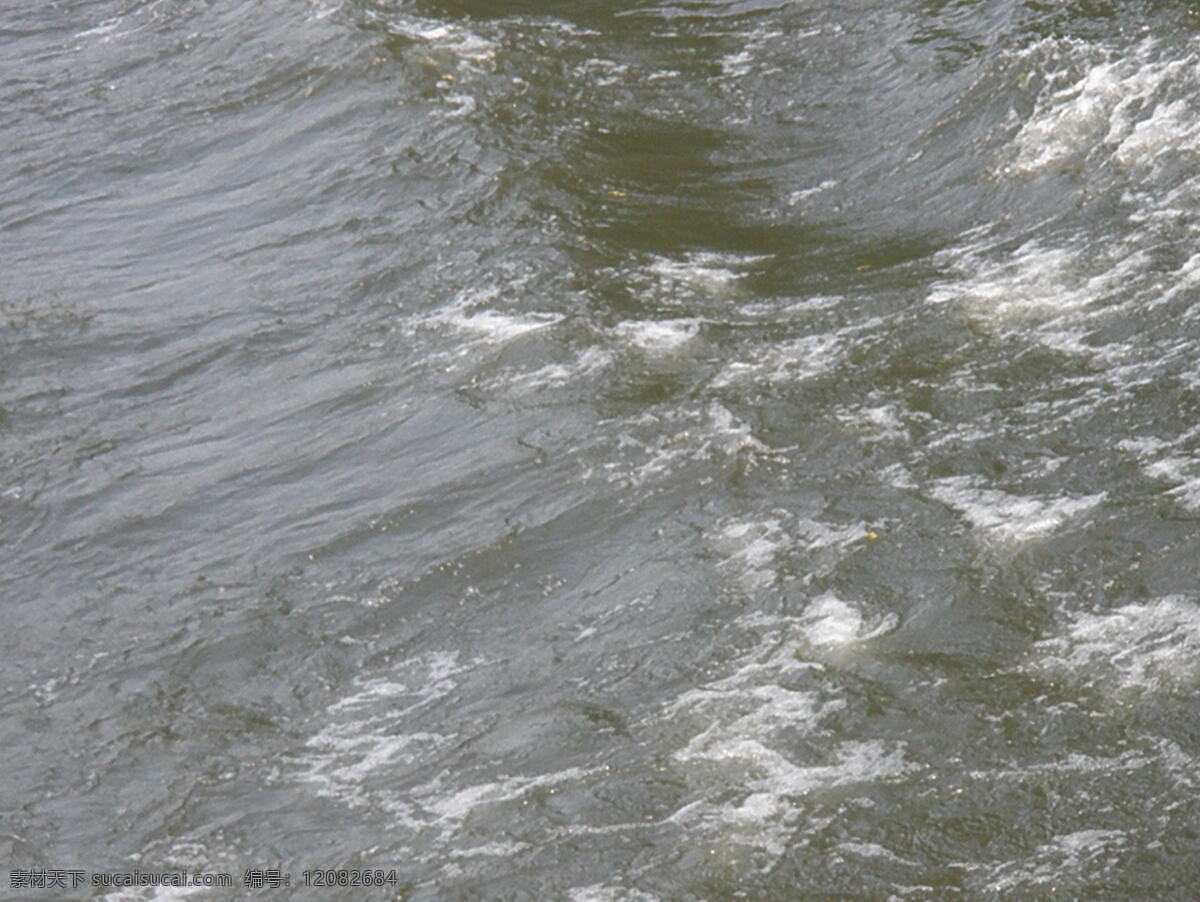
(602,452)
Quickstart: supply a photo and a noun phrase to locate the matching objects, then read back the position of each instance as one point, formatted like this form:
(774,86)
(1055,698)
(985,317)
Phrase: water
(607,452)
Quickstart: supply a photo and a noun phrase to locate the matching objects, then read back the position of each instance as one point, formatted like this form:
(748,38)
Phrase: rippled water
(607,452)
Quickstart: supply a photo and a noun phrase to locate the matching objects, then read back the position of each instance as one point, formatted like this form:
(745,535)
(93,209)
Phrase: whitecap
(658,337)
(829,621)
(368,730)
(1140,647)
(790,362)
(1010,518)
(740,758)
(750,547)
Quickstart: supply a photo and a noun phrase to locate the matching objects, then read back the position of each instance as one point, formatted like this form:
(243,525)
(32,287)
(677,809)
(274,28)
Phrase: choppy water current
(603,452)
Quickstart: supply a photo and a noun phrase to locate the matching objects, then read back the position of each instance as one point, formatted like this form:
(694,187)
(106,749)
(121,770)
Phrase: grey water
(605,452)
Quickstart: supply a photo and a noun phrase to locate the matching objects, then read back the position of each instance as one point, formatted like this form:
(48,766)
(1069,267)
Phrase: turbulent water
(603,451)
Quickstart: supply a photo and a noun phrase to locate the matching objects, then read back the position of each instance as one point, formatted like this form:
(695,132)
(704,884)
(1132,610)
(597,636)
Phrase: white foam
(765,818)
(1144,446)
(460,104)
(1170,127)
(598,892)
(1010,518)
(898,476)
(1069,123)
(471,312)
(1034,282)
(773,311)
(603,73)
(748,790)
(1074,763)
(591,361)
(366,734)
(1133,109)
(729,433)
(498,327)
(467,46)
(182,858)
(705,273)
(1178,470)
(452,808)
(816,535)
(362,755)
(368,752)
(492,850)
(1069,856)
(750,548)
(107,27)
(1188,494)
(711,271)
(830,621)
(1125,125)
(805,193)
(1137,646)
(874,850)
(1181,472)
(773,775)
(659,337)
(323,12)
(739,64)
(675,444)
(881,423)
(792,361)
(156,893)
(1185,279)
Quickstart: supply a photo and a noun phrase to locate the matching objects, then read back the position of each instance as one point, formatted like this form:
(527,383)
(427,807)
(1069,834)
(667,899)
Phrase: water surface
(608,452)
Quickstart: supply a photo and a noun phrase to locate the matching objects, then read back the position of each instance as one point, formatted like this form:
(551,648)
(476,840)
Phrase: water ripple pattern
(614,452)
